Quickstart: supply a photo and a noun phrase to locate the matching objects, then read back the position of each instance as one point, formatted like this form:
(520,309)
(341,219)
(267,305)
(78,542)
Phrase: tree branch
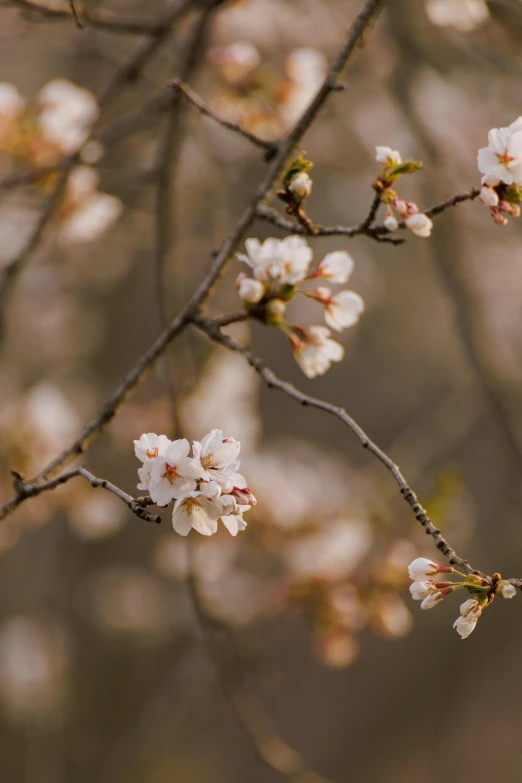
(137,505)
(204,108)
(213,331)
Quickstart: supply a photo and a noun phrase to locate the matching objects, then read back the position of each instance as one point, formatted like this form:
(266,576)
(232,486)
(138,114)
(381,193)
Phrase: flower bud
(488,196)
(432,600)
(465,626)
(250,290)
(420,224)
(421,568)
(301,186)
(276,307)
(387,156)
(244,496)
(506,590)
(391,222)
(420,590)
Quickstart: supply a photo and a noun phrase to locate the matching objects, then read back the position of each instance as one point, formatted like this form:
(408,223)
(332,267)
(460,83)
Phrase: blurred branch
(355,37)
(14,267)
(25,490)
(236,684)
(76,14)
(204,108)
(101,20)
(273,382)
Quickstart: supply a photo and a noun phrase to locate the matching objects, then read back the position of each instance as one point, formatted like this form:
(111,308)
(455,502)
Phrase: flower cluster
(393,167)
(432,591)
(205,486)
(259,98)
(278,267)
(39,136)
(500,163)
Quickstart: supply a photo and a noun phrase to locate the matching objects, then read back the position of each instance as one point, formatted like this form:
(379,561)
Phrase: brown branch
(356,35)
(76,14)
(380,233)
(204,108)
(213,331)
(102,20)
(137,505)
(13,269)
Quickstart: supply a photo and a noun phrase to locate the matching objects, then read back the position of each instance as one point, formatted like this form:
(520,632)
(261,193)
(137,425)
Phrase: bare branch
(137,505)
(208,111)
(102,20)
(273,382)
(76,14)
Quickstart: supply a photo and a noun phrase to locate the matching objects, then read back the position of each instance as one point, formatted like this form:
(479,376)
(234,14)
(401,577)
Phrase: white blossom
(507,590)
(87,213)
(281,261)
(501,160)
(173,473)
(387,156)
(250,290)
(420,590)
(465,625)
(150,445)
(432,600)
(420,224)
(488,196)
(343,310)
(467,606)
(462,15)
(336,267)
(390,222)
(67,113)
(316,351)
(301,185)
(215,457)
(194,510)
(421,568)
(12,102)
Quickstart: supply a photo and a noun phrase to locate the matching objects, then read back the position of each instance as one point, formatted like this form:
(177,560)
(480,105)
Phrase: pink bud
(244,496)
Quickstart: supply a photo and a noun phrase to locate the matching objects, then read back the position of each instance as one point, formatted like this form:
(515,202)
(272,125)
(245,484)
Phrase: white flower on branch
(388,157)
(420,590)
(314,350)
(501,160)
(66,114)
(281,261)
(195,511)
(301,185)
(336,267)
(205,485)
(488,196)
(420,224)
(391,222)
(150,445)
(421,568)
(85,213)
(432,599)
(249,290)
(341,310)
(173,473)
(506,590)
(215,457)
(470,612)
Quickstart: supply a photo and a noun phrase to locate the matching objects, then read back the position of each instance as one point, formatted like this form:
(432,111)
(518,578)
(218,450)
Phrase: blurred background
(306,632)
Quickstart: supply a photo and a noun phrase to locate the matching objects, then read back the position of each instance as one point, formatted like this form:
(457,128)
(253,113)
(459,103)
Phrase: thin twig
(76,14)
(102,20)
(204,108)
(13,269)
(211,330)
(137,505)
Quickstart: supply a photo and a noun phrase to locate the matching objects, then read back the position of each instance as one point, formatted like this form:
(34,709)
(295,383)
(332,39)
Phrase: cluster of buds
(205,485)
(279,267)
(432,591)
(394,167)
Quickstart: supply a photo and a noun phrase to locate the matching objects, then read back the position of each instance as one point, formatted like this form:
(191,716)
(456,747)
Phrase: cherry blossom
(194,510)
(314,350)
(301,185)
(173,473)
(282,261)
(150,445)
(249,290)
(420,224)
(336,267)
(215,457)
(341,310)
(387,156)
(501,160)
